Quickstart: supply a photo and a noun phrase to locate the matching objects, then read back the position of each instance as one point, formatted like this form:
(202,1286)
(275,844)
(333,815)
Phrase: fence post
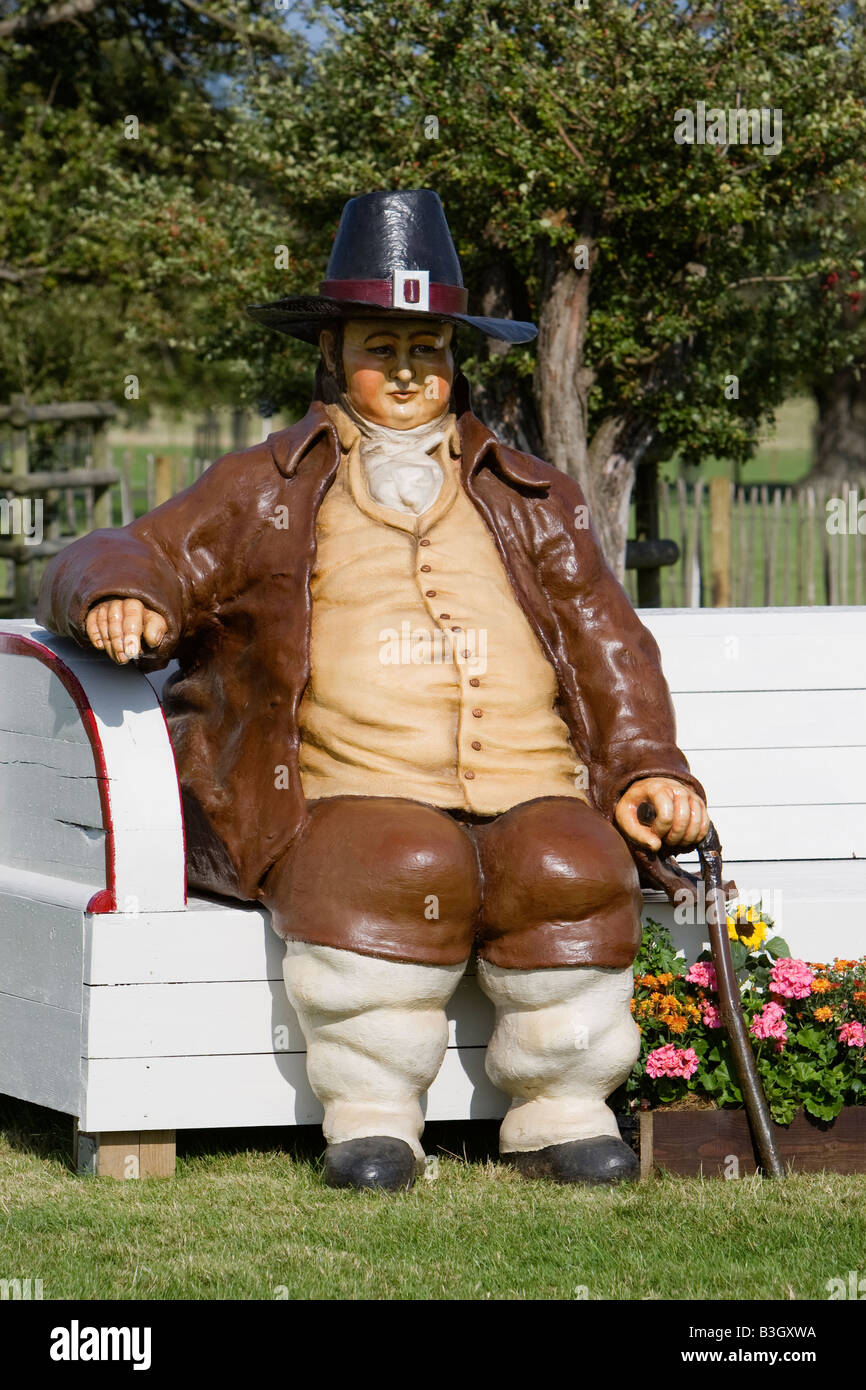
(103,513)
(127,512)
(720,542)
(162,479)
(646,507)
(18,421)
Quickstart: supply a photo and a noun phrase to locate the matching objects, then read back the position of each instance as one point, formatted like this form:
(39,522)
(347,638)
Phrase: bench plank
(245,1091)
(776,777)
(61,795)
(40,1052)
(37,842)
(240,1016)
(41,950)
(766,719)
(34,701)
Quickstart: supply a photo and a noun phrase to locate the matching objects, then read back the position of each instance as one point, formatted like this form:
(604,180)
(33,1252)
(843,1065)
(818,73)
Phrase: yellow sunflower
(738,928)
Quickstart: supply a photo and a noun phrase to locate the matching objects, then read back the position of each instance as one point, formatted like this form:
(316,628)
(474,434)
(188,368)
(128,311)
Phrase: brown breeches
(547,883)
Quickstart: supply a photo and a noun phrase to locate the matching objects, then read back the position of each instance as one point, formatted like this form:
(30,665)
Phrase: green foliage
(128,247)
(811,1068)
(555,125)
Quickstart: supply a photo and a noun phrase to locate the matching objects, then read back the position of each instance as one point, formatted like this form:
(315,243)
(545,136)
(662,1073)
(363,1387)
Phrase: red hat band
(406,289)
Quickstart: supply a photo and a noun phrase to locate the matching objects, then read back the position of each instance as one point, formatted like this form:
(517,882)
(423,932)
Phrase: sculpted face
(398,371)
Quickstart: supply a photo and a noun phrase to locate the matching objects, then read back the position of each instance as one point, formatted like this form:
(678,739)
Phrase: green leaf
(826,1111)
(812,1039)
(777,947)
(739,954)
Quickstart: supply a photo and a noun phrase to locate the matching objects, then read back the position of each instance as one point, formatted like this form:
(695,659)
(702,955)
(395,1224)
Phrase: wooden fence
(762,546)
(758,546)
(58,480)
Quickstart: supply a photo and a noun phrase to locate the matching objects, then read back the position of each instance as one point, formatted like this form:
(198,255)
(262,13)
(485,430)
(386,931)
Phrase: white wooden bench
(141,1011)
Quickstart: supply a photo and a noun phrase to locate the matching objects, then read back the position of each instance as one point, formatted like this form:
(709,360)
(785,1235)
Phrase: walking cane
(710,856)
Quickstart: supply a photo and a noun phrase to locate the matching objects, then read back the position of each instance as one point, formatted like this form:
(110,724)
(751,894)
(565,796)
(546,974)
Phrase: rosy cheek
(366,384)
(437,385)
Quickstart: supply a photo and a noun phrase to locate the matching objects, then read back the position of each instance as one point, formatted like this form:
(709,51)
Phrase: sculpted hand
(681,816)
(118,625)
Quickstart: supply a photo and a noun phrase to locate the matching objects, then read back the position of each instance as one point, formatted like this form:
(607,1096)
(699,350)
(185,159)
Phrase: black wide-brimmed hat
(393,252)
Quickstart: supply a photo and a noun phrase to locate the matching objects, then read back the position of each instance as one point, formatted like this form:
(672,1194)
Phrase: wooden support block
(158,1153)
(126,1154)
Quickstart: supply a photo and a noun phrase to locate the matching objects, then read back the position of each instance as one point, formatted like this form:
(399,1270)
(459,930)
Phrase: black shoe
(374,1162)
(600,1160)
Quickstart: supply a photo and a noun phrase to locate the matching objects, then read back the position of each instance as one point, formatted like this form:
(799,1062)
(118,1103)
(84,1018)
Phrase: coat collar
(478,447)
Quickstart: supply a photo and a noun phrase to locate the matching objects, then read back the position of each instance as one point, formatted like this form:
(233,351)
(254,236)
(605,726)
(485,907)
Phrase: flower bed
(807,1021)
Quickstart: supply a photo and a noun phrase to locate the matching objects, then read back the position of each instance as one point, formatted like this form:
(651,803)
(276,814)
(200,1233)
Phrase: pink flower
(854,1034)
(771,1022)
(712,1017)
(791,979)
(703,973)
(672,1061)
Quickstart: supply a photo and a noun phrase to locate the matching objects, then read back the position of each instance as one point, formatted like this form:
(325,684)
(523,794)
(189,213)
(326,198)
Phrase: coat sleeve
(620,691)
(176,560)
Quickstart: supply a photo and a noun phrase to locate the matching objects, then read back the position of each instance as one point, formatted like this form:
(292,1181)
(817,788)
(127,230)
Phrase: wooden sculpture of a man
(415,715)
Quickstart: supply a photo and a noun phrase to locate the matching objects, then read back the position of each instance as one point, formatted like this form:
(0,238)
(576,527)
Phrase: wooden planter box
(695,1142)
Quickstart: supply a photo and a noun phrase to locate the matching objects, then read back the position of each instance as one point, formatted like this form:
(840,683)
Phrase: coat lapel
(290,446)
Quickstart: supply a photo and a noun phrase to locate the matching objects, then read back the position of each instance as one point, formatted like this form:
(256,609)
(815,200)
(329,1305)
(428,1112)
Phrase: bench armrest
(93,795)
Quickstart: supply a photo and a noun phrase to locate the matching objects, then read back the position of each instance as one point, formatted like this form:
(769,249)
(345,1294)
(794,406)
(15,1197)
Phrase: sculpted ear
(327,349)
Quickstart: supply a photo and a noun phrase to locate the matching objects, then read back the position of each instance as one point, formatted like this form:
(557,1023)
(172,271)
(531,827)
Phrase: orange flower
(821,986)
(666,979)
(632,1005)
(823,1015)
(860,996)
(844,964)
(647,981)
(670,1004)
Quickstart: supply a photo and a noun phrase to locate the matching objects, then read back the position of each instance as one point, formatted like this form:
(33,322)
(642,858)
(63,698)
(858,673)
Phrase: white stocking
(563,1040)
(376,1036)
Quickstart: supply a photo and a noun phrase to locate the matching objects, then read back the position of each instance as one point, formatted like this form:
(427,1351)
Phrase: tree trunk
(505,401)
(605,466)
(839,440)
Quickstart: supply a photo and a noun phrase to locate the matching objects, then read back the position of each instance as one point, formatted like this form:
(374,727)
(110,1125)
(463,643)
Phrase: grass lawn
(247,1218)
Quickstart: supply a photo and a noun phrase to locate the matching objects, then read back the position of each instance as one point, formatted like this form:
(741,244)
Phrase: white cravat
(398,466)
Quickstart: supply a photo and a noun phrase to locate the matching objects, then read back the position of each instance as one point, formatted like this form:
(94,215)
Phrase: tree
(838,382)
(677,283)
(127,246)
(673,283)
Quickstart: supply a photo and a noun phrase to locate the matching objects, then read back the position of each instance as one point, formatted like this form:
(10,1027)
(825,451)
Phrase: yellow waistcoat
(427,680)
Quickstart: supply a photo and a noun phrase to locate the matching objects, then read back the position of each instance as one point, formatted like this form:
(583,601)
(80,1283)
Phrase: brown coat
(230,573)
